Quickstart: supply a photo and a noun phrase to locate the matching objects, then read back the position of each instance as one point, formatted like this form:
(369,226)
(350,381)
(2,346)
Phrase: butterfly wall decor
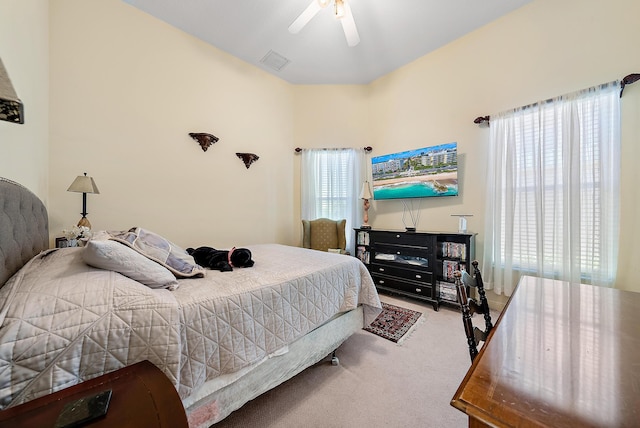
(205,140)
(248,158)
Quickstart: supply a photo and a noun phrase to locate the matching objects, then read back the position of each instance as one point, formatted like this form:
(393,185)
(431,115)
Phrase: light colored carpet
(377,384)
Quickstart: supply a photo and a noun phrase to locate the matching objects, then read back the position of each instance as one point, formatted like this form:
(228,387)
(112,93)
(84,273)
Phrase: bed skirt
(213,402)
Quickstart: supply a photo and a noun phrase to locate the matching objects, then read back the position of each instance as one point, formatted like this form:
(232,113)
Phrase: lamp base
(84,222)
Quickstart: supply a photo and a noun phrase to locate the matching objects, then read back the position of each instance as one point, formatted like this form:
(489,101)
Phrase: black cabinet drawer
(423,276)
(403,238)
(406,286)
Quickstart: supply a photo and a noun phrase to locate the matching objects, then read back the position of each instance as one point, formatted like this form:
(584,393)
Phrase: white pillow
(112,255)
(160,250)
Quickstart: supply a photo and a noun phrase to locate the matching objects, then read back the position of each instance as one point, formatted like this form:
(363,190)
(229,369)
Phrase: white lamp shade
(83,184)
(365,193)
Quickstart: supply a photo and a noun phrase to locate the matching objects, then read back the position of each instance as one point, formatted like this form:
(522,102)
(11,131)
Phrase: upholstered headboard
(24,227)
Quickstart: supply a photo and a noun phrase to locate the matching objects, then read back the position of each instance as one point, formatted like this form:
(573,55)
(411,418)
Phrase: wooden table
(560,355)
(142,397)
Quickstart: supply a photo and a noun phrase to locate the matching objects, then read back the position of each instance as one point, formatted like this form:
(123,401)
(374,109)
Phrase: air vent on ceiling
(274,60)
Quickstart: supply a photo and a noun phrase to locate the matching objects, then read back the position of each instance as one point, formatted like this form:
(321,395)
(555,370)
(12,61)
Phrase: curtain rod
(627,80)
(366,149)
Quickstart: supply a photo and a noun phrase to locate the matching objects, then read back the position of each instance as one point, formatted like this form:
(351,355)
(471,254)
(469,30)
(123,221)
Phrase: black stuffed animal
(221,260)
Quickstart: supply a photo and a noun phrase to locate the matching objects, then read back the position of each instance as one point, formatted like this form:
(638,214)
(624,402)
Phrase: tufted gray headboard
(24,227)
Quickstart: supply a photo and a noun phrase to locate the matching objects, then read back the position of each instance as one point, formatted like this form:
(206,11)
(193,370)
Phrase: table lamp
(83,184)
(366,195)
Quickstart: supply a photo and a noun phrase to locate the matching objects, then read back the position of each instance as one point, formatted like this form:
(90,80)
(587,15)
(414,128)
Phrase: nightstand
(143,397)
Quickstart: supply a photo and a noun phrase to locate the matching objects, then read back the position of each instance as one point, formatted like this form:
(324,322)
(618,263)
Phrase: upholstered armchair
(324,234)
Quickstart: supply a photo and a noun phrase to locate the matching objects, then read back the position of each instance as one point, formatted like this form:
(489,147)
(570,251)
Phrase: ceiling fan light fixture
(342,12)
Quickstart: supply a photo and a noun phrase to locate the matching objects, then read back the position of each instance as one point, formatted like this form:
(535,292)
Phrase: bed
(222,339)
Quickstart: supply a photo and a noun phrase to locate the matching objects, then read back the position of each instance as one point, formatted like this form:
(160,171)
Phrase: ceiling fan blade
(349,26)
(304,18)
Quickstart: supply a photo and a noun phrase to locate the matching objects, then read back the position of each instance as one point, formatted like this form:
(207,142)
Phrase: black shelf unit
(415,264)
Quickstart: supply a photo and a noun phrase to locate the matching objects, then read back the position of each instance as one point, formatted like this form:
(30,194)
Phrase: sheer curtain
(553,191)
(331,180)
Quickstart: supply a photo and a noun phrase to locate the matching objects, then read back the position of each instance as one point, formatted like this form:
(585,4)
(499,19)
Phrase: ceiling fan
(342,12)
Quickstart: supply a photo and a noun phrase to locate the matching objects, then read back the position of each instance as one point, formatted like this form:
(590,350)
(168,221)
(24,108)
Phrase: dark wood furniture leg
(466,315)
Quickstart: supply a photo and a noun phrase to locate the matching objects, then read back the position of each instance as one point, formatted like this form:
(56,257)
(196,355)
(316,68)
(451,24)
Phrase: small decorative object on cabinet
(416,264)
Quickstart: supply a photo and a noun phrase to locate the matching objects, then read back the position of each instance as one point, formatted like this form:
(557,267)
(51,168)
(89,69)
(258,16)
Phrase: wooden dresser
(560,355)
(142,397)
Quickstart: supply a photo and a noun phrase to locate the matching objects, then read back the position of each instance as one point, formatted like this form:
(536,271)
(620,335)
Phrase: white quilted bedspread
(63,322)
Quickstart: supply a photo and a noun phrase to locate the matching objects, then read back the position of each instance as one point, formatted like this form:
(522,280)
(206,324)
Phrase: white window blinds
(553,190)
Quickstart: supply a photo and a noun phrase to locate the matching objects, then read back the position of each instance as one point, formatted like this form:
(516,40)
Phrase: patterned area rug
(393,322)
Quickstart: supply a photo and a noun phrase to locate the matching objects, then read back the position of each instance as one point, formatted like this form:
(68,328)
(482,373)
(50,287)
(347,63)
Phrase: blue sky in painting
(411,153)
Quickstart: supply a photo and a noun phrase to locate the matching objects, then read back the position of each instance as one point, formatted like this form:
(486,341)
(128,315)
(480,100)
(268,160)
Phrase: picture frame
(61,243)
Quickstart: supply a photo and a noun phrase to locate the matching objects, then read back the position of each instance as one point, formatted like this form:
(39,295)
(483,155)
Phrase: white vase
(72,242)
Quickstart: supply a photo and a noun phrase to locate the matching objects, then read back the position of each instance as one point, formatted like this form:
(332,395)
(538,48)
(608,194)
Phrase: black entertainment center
(416,264)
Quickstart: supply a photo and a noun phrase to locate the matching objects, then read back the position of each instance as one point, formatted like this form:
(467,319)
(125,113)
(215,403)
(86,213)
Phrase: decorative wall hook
(248,158)
(205,140)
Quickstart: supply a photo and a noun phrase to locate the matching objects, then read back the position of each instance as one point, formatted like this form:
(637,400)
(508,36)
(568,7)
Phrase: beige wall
(542,50)
(630,190)
(24,49)
(126,91)
(328,116)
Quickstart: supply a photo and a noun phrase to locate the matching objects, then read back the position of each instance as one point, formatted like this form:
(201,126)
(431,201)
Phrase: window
(553,190)
(331,180)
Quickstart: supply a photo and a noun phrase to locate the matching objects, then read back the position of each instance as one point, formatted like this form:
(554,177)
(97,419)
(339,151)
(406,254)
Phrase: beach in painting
(441,184)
